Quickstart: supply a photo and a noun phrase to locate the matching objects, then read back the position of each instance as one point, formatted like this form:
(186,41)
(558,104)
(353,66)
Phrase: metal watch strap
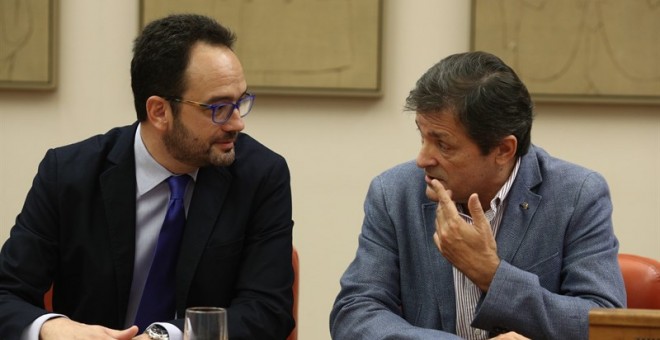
(157,332)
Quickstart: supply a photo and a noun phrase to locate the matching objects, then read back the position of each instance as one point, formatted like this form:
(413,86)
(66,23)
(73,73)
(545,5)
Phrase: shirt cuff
(173,331)
(31,332)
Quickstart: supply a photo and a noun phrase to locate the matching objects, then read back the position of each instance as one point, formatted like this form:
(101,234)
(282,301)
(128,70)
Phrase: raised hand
(470,248)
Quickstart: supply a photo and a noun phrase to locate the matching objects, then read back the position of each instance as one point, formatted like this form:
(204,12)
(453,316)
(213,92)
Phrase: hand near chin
(66,329)
(470,248)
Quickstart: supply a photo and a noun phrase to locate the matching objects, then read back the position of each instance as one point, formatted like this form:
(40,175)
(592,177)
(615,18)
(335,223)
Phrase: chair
(48,297)
(296,279)
(641,276)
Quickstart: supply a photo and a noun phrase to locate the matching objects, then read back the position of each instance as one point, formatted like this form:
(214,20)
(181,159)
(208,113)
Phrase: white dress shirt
(467,293)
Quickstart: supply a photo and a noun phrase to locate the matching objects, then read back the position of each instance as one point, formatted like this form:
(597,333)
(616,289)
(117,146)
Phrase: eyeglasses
(221,112)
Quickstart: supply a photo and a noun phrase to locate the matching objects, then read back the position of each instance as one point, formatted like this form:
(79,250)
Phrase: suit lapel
(515,222)
(443,276)
(118,187)
(210,193)
(521,206)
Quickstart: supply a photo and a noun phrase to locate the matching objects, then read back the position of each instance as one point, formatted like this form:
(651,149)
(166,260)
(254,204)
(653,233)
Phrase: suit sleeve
(586,268)
(28,256)
(262,307)
(368,305)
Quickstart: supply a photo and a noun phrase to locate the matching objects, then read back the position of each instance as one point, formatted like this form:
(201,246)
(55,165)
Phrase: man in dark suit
(91,221)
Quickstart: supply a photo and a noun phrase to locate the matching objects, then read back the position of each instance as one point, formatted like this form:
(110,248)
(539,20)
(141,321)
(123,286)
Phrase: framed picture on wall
(566,50)
(28,44)
(314,47)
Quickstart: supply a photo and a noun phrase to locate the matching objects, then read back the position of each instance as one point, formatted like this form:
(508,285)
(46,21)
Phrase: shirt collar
(496,202)
(501,195)
(148,173)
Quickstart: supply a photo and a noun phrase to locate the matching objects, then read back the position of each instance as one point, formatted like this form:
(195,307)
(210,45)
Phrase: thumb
(477,212)
(127,334)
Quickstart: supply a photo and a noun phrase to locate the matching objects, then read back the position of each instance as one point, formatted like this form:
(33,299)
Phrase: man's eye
(442,145)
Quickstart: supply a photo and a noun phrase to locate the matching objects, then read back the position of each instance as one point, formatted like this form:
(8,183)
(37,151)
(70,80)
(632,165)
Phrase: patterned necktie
(158,302)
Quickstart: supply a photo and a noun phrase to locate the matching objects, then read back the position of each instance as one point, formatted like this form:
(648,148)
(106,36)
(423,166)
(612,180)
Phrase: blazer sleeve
(585,266)
(263,305)
(368,305)
(28,256)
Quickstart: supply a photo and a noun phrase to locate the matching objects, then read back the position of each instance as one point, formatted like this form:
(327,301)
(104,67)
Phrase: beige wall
(334,145)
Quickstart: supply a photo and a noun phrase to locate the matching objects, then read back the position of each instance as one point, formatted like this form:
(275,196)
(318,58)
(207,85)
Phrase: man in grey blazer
(486,235)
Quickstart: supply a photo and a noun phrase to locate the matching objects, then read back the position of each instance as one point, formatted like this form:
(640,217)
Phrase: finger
(446,207)
(513,335)
(443,201)
(440,190)
(477,212)
(436,239)
(128,333)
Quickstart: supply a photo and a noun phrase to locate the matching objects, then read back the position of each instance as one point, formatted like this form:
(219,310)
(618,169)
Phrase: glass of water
(205,323)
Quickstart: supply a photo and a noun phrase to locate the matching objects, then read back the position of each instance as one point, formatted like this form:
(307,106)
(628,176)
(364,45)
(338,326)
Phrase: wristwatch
(157,332)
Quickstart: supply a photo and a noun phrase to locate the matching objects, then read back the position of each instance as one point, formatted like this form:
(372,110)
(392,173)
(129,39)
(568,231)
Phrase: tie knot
(178,186)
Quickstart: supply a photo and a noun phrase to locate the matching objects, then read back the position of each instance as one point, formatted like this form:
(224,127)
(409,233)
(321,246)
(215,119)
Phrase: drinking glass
(205,323)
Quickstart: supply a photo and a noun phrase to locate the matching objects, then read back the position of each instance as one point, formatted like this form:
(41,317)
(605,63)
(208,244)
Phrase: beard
(188,149)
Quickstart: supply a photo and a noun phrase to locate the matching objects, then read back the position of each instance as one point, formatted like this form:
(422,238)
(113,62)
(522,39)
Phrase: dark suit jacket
(77,231)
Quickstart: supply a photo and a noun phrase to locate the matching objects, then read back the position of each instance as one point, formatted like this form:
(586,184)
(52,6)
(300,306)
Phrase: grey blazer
(556,242)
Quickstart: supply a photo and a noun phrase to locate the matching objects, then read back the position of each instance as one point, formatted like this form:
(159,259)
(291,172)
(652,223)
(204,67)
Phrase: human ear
(506,150)
(157,111)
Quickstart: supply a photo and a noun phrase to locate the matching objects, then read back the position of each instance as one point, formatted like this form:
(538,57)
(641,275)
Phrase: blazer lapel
(210,193)
(521,206)
(118,187)
(443,276)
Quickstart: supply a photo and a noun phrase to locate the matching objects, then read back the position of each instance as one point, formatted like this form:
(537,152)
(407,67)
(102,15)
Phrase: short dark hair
(162,51)
(485,95)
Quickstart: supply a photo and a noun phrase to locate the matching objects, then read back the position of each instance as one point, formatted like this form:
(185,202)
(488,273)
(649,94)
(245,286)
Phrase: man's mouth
(225,144)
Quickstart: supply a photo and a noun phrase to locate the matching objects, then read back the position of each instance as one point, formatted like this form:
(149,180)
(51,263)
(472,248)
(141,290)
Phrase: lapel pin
(524,205)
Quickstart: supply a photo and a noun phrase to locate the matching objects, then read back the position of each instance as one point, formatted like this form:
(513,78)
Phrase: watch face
(157,332)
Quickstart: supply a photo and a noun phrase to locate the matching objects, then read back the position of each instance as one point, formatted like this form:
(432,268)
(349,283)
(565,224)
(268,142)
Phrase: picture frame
(28,44)
(575,51)
(299,47)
